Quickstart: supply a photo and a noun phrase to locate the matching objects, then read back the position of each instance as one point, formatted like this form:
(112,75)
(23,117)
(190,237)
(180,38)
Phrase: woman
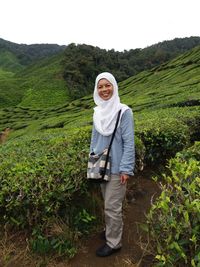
(122,153)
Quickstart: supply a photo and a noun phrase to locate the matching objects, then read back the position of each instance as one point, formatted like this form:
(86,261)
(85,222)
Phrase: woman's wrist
(124,177)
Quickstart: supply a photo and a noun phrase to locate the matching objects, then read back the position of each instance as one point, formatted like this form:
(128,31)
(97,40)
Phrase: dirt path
(140,192)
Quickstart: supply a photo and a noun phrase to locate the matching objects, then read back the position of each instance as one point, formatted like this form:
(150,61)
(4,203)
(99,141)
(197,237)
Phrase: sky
(109,24)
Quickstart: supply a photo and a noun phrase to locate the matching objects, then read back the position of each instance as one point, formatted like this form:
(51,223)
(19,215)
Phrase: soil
(141,191)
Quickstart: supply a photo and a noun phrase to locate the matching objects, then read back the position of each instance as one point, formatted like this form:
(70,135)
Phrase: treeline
(27,54)
(83,62)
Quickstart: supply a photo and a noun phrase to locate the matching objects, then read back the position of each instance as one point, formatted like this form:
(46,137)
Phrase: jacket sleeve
(128,157)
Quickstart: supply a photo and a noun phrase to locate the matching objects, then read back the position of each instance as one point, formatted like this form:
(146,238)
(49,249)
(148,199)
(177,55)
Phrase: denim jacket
(123,147)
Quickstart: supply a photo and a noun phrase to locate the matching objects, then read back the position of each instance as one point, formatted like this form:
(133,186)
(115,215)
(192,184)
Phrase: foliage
(169,91)
(41,178)
(171,85)
(174,219)
(163,138)
(44,170)
(140,153)
(43,162)
(9,61)
(83,221)
(44,245)
(45,75)
(36,75)
(43,85)
(27,54)
(83,62)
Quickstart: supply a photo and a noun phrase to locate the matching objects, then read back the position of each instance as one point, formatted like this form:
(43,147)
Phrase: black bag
(99,165)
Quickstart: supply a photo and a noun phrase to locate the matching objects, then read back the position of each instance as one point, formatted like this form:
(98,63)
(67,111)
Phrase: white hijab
(106,111)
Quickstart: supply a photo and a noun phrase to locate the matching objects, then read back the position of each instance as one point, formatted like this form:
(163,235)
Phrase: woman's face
(105,89)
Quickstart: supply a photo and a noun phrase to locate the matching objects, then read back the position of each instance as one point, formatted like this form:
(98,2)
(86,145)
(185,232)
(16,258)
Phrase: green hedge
(39,176)
(174,220)
(162,138)
(43,178)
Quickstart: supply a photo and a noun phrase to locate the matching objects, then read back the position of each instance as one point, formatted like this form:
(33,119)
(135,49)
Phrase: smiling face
(105,89)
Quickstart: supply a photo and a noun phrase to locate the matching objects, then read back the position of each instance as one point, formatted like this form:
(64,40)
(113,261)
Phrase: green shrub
(43,244)
(18,126)
(41,178)
(38,176)
(57,124)
(174,220)
(163,138)
(140,152)
(83,221)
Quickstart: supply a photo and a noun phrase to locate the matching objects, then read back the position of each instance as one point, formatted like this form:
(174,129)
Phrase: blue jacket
(123,147)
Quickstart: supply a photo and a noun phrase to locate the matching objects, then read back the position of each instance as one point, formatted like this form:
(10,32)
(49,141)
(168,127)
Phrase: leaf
(144,227)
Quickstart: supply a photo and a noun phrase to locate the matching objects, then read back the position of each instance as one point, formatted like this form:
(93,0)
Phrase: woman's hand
(124,177)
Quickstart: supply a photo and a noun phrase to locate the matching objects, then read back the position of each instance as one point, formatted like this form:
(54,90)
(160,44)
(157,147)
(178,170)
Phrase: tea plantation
(43,164)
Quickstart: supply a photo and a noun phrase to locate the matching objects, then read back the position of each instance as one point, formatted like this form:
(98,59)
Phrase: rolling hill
(21,55)
(172,89)
(24,68)
(37,76)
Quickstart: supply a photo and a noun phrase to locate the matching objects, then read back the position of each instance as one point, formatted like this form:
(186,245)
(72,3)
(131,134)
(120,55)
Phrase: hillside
(28,68)
(167,89)
(82,63)
(40,84)
(23,55)
(43,84)
(174,84)
(42,76)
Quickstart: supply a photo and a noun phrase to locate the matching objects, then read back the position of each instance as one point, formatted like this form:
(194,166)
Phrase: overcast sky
(109,24)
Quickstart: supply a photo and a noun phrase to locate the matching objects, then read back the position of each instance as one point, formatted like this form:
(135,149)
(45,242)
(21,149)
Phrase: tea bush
(42,178)
(140,152)
(174,220)
(162,138)
(39,175)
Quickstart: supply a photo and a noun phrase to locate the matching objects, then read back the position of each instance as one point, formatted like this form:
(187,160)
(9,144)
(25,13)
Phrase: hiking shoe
(105,251)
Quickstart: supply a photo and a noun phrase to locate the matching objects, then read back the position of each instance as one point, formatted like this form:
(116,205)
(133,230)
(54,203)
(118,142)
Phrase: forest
(82,63)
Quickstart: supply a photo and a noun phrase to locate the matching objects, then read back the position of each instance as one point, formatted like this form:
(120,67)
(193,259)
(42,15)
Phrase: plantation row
(43,177)
(49,75)
(162,89)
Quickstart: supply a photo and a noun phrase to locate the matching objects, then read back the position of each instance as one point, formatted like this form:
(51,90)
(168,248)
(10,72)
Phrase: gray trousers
(113,194)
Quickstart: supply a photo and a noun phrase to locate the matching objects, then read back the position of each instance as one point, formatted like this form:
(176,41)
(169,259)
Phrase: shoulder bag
(99,165)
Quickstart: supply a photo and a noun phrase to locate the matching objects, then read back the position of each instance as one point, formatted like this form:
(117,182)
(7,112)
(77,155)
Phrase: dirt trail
(139,194)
